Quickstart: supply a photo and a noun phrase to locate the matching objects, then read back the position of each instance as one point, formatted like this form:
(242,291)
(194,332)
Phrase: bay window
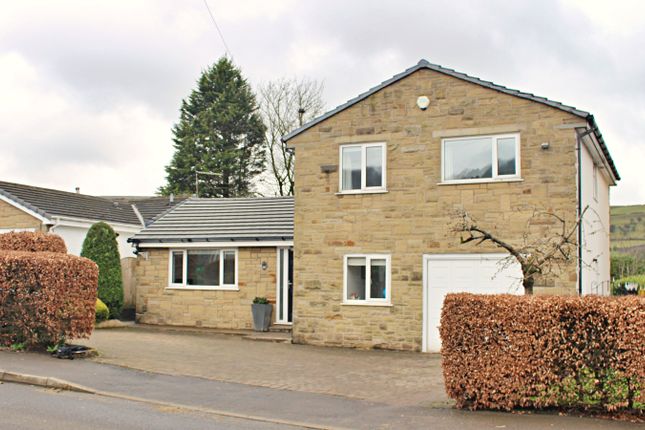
(480,158)
(203,269)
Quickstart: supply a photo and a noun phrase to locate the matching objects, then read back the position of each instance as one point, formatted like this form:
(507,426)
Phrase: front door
(284,294)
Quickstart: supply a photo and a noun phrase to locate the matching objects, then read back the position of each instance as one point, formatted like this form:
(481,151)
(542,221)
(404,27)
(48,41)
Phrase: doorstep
(280,333)
(270,336)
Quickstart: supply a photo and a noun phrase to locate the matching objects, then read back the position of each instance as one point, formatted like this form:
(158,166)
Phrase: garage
(462,273)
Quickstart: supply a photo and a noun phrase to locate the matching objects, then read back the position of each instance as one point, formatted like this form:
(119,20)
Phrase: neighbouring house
(379,178)
(70,215)
(204,261)
(67,214)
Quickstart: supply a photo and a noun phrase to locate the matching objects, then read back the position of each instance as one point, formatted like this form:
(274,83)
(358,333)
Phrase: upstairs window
(481,158)
(362,167)
(203,269)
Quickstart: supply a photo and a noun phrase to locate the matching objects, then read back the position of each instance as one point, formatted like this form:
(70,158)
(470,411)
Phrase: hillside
(628,229)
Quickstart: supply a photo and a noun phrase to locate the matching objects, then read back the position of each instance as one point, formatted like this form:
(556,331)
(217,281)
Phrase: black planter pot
(261,316)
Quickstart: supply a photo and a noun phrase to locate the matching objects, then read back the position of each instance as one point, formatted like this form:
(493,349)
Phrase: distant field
(628,229)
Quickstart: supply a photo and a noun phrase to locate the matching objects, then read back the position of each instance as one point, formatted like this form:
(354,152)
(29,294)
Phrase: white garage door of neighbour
(463,273)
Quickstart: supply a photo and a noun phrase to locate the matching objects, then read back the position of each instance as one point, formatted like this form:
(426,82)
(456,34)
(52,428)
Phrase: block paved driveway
(396,378)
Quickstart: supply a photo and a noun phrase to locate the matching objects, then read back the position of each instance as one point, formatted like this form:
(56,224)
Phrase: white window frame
(364,188)
(184,286)
(387,301)
(495,177)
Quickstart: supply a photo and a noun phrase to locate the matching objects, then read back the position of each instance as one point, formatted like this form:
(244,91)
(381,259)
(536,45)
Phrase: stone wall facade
(12,217)
(156,304)
(413,217)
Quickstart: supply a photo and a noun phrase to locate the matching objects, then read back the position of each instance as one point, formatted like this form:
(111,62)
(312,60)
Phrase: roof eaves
(47,217)
(424,64)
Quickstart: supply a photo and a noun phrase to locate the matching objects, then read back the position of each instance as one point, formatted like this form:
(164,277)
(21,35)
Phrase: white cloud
(50,138)
(90,90)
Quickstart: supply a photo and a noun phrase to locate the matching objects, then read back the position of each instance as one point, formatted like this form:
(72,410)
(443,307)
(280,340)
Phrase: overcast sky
(89,90)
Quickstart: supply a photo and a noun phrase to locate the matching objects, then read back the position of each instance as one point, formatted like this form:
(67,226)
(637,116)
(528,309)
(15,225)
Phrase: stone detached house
(366,255)
(378,180)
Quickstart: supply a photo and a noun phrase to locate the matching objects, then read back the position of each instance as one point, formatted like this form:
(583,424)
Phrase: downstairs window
(203,269)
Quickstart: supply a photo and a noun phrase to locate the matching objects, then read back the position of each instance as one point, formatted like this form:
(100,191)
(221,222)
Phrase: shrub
(628,285)
(260,301)
(505,352)
(45,297)
(101,247)
(102,311)
(32,242)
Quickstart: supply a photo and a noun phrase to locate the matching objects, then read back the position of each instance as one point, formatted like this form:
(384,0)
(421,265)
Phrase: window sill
(480,181)
(377,304)
(354,192)
(196,287)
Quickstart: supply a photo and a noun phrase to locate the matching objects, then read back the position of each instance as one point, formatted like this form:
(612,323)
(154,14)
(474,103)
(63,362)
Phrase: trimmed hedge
(45,297)
(100,246)
(32,242)
(505,352)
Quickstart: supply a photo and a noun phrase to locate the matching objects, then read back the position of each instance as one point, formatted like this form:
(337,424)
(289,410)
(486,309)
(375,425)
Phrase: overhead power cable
(228,51)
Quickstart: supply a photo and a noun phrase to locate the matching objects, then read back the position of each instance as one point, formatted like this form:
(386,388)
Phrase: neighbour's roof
(148,207)
(54,203)
(424,64)
(222,220)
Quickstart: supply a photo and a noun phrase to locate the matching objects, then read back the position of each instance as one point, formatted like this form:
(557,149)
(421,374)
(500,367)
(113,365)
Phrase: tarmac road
(24,407)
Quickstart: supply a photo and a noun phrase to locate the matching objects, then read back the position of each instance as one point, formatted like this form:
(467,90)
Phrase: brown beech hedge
(506,352)
(32,242)
(45,297)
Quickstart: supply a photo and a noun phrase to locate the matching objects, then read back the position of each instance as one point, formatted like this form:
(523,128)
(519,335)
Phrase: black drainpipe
(580,137)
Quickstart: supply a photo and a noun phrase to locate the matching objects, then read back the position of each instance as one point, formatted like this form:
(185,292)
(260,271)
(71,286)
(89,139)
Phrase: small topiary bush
(32,242)
(506,352)
(45,297)
(101,247)
(102,311)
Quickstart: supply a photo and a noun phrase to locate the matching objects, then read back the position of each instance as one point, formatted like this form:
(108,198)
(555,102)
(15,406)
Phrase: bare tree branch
(540,257)
(286,104)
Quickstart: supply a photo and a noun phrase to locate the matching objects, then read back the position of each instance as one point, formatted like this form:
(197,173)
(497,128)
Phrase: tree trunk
(528,285)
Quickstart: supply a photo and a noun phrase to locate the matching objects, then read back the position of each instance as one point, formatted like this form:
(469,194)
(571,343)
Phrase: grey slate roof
(148,207)
(51,203)
(424,64)
(222,220)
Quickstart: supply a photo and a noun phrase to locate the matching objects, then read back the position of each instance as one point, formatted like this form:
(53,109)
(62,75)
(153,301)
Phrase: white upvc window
(203,269)
(367,279)
(480,158)
(362,168)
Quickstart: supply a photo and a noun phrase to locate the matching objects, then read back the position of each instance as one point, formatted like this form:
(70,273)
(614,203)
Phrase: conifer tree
(219,133)
(101,247)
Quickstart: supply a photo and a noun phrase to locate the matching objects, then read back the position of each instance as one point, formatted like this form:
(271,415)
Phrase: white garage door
(463,273)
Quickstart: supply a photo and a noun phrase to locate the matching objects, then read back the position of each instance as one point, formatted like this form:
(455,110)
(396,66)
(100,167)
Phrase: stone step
(280,328)
(268,336)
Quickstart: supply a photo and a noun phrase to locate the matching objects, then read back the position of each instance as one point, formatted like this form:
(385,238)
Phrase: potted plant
(262,311)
